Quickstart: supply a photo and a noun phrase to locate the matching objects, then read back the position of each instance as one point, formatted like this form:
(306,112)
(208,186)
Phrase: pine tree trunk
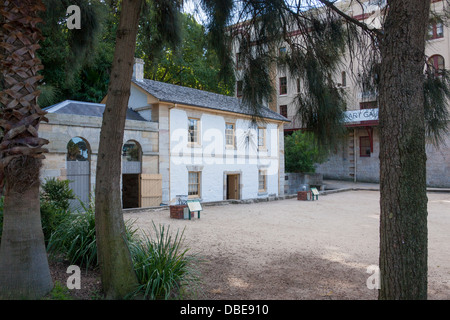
(117,272)
(403,221)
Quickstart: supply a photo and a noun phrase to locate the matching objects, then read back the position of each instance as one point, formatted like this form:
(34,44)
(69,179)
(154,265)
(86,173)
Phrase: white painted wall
(138,99)
(212,157)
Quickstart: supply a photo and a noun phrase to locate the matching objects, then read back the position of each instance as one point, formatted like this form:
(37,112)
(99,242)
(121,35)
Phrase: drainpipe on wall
(170,151)
(354,155)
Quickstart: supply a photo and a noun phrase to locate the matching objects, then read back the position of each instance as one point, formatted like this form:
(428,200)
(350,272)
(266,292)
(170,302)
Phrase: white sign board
(360,115)
(194,206)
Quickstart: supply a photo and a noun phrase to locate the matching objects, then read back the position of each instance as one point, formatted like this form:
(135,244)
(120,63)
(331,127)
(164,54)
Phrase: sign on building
(360,115)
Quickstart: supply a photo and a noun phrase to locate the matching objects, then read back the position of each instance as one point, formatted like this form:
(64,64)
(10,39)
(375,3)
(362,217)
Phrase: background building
(357,158)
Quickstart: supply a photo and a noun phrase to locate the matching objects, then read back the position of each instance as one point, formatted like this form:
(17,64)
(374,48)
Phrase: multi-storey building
(178,141)
(357,158)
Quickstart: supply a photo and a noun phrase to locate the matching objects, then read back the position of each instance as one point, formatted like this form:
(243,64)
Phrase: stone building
(357,158)
(74,134)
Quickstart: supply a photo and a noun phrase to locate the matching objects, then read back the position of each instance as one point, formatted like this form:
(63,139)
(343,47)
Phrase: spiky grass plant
(75,238)
(162,265)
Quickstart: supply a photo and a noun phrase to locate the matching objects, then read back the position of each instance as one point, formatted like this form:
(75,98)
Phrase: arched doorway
(131,170)
(78,170)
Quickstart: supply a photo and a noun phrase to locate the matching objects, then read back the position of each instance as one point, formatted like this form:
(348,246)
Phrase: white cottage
(208,145)
(178,141)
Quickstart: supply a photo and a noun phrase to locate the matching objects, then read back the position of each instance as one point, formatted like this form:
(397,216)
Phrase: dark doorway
(130,190)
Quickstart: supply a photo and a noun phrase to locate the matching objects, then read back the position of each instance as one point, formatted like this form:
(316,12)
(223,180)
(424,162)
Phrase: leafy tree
(77,62)
(301,152)
(192,63)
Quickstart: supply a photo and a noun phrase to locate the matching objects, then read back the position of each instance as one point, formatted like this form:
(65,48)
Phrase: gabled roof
(166,92)
(89,109)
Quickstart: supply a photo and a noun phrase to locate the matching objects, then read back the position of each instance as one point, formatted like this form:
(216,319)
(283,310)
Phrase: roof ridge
(161,91)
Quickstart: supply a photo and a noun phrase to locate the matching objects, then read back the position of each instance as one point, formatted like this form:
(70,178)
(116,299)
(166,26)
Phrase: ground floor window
(364,146)
(194,184)
(262,181)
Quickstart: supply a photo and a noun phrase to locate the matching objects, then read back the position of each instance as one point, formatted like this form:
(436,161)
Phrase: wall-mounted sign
(360,115)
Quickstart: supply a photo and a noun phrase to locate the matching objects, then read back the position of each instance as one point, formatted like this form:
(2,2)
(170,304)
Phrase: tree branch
(363,26)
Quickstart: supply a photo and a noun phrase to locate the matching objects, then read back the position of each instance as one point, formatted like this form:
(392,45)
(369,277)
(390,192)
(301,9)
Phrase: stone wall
(293,182)
(339,165)
(61,128)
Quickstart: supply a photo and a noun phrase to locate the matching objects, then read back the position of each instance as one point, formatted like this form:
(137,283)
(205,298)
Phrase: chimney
(138,69)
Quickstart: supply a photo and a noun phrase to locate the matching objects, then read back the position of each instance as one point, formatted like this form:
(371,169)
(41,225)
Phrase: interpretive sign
(194,205)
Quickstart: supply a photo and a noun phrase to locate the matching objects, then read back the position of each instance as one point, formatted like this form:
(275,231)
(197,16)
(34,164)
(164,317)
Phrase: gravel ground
(290,249)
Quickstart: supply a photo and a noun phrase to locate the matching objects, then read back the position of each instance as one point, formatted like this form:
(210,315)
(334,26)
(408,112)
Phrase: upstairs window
(435,30)
(368,105)
(261,138)
(238,61)
(283,86)
(229,134)
(193,131)
(239,89)
(283,111)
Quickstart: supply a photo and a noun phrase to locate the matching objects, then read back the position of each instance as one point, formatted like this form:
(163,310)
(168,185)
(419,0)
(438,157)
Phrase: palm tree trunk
(24,269)
(117,271)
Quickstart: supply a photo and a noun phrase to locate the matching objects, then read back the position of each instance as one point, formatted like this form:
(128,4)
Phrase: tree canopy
(77,63)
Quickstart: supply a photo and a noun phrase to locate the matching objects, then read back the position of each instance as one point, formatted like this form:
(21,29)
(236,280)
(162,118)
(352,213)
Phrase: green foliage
(54,203)
(75,238)
(51,217)
(189,62)
(57,192)
(162,265)
(301,153)
(76,62)
(437,95)
(59,292)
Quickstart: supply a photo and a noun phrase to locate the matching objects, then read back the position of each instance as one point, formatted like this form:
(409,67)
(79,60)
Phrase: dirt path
(290,249)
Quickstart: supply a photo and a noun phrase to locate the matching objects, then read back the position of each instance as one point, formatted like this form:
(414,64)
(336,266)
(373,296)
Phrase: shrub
(162,265)
(301,153)
(57,192)
(51,217)
(54,203)
(59,292)
(75,238)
